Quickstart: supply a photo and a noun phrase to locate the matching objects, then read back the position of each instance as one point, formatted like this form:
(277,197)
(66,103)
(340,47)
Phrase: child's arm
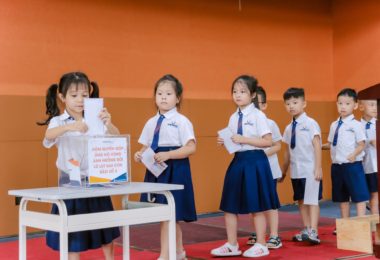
(138,154)
(359,148)
(105,116)
(275,148)
(285,164)
(326,146)
(317,157)
(183,152)
(373,142)
(53,133)
(262,142)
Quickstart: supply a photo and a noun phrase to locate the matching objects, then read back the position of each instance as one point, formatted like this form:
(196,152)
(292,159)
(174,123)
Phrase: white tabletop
(62,193)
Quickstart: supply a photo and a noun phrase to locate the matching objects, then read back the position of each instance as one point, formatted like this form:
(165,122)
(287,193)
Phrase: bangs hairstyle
(250,82)
(66,81)
(177,86)
(261,92)
(294,93)
(349,92)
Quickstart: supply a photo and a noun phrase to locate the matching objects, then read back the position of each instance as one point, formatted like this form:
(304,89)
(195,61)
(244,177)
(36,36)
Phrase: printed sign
(107,160)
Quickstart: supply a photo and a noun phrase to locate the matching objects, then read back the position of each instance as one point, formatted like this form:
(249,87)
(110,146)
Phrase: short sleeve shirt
(176,130)
(302,157)
(273,159)
(350,133)
(255,124)
(370,157)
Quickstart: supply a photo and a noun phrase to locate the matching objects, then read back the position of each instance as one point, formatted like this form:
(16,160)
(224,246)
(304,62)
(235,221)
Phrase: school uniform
(273,159)
(83,240)
(248,184)
(348,180)
(174,132)
(299,135)
(370,156)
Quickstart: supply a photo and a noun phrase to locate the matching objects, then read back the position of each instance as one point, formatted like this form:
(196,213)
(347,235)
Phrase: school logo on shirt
(350,130)
(173,124)
(248,123)
(304,129)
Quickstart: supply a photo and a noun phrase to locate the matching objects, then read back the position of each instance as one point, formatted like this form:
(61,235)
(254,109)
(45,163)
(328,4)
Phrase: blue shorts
(371,179)
(299,189)
(348,181)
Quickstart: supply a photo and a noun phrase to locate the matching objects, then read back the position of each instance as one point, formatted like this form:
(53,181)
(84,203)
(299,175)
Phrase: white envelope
(226,135)
(311,191)
(155,168)
(92,108)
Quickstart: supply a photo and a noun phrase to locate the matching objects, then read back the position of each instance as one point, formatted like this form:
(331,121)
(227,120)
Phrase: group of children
(250,183)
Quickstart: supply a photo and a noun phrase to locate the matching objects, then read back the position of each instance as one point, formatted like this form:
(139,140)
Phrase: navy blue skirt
(177,172)
(248,184)
(89,239)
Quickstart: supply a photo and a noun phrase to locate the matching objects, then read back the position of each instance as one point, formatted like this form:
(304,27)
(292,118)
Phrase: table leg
(171,226)
(63,234)
(22,231)
(126,251)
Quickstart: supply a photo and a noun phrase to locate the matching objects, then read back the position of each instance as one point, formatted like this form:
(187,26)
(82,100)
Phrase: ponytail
(95,90)
(52,108)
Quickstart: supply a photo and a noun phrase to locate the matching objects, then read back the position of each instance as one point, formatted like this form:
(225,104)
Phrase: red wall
(127,45)
(356,43)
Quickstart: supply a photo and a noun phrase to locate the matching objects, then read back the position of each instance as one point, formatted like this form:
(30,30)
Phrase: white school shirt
(302,157)
(370,157)
(350,133)
(255,124)
(75,148)
(175,130)
(273,159)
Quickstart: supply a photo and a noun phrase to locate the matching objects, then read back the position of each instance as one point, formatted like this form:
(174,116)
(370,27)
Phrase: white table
(135,213)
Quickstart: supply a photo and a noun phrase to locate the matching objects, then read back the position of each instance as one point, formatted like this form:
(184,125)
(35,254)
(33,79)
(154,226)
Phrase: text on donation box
(107,160)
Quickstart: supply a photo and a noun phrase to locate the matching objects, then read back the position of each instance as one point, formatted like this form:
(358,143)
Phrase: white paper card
(92,109)
(226,135)
(311,191)
(74,172)
(147,159)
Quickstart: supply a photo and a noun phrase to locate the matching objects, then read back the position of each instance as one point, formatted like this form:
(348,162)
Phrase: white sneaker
(226,250)
(181,256)
(257,250)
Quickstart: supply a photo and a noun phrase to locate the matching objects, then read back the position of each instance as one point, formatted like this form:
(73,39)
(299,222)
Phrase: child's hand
(105,116)
(318,174)
(162,157)
(220,140)
(78,126)
(351,158)
(373,142)
(282,177)
(138,156)
(237,139)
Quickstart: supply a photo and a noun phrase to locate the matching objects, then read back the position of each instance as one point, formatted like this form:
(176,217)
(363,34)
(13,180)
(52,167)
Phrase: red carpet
(290,250)
(37,250)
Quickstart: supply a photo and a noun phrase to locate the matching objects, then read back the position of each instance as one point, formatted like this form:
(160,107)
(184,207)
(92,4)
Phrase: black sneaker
(274,242)
(252,239)
(302,236)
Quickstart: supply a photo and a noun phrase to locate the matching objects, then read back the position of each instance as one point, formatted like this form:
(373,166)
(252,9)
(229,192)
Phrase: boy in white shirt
(369,115)
(304,154)
(346,142)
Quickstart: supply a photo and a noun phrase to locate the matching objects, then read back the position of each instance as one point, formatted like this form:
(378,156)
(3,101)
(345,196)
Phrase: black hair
(348,92)
(294,93)
(261,92)
(177,85)
(65,82)
(251,83)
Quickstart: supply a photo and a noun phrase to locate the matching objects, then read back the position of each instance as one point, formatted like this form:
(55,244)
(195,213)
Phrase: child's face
(368,108)
(295,106)
(74,98)
(166,98)
(241,95)
(262,105)
(346,106)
